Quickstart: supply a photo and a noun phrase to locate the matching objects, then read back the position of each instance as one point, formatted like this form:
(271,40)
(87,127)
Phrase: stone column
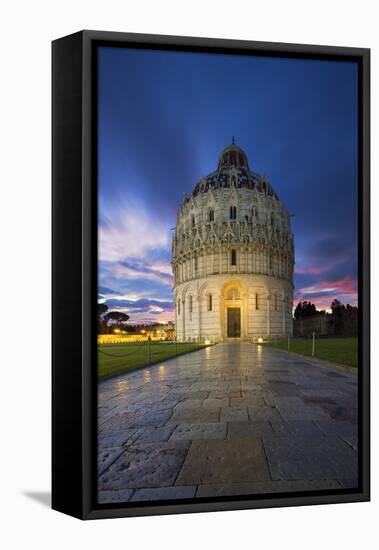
(198,299)
(268,315)
(221,316)
(176,317)
(245,312)
(183,317)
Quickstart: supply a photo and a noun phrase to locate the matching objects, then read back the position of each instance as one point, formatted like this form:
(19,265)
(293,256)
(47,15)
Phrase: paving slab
(216,403)
(249,429)
(248,398)
(234,413)
(164,493)
(136,420)
(338,427)
(264,487)
(106,457)
(264,413)
(212,430)
(349,483)
(300,428)
(114,497)
(114,439)
(221,461)
(145,465)
(193,416)
(323,457)
(293,408)
(189,404)
(152,434)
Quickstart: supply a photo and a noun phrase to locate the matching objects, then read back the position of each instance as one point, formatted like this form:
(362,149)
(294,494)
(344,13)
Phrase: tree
(304,309)
(101,324)
(344,319)
(101,309)
(116,317)
(337,306)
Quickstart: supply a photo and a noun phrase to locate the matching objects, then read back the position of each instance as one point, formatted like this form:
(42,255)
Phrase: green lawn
(343,351)
(114,359)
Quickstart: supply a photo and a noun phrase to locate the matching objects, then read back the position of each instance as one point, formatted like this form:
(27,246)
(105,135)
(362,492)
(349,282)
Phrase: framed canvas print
(210,274)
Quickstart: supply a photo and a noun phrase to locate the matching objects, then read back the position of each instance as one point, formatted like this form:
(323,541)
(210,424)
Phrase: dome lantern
(233,156)
(233,166)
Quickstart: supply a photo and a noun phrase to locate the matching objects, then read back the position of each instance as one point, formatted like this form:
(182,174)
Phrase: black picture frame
(74,271)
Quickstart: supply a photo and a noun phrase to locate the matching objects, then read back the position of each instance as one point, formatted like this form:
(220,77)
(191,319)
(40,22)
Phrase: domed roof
(233,171)
(233,156)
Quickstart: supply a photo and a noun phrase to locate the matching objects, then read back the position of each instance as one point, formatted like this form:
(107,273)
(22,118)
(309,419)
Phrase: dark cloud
(105,290)
(138,268)
(143,303)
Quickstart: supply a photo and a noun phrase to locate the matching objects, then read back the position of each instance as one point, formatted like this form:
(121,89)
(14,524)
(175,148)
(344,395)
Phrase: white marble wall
(265,303)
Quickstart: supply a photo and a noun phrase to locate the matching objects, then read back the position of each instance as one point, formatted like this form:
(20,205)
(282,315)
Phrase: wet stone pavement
(232,419)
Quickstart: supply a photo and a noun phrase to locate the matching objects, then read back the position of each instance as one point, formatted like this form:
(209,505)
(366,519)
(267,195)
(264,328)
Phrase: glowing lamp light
(260,340)
(207,342)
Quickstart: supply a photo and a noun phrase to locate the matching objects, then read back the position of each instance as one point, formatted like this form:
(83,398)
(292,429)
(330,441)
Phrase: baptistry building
(233,257)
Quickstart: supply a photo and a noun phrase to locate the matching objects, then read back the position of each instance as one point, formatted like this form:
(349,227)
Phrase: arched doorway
(233,311)
(233,322)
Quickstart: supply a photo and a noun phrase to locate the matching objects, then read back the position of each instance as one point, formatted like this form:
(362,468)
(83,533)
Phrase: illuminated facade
(233,257)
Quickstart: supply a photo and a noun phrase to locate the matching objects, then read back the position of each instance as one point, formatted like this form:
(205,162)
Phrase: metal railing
(274,340)
(150,346)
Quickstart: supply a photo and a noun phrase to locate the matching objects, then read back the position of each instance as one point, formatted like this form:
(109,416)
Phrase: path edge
(322,362)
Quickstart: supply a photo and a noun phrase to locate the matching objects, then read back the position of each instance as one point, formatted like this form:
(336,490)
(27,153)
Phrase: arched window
(210,304)
(178,306)
(195,263)
(233,212)
(233,294)
(190,304)
(233,257)
(211,215)
(193,221)
(272,220)
(257,301)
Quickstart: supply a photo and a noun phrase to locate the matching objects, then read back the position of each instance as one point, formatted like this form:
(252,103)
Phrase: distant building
(233,257)
(343,322)
(319,323)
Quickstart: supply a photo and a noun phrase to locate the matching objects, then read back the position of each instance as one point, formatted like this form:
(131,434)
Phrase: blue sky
(164,118)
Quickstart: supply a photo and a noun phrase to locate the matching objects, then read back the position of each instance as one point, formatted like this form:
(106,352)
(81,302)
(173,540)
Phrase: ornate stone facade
(233,257)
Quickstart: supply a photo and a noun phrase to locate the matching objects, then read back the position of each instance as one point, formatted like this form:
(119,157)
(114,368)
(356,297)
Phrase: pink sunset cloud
(324,292)
(309,270)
